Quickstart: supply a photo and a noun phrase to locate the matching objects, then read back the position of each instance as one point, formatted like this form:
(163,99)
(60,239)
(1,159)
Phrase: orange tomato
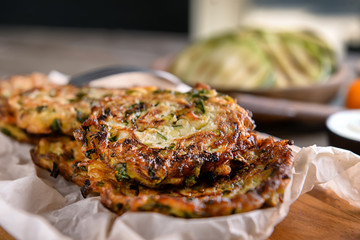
(353,95)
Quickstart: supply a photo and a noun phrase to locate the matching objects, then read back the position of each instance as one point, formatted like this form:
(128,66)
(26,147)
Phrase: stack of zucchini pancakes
(190,155)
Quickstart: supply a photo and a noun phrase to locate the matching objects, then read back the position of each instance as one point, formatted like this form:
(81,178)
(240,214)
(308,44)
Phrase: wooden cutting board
(319,214)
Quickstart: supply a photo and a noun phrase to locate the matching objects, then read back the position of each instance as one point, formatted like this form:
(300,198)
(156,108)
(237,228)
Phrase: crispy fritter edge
(267,194)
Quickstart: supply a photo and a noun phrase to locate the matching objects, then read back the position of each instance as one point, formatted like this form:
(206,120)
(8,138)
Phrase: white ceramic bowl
(344,130)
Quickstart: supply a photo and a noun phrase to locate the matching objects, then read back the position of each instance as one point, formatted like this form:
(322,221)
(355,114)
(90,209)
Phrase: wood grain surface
(5,235)
(319,214)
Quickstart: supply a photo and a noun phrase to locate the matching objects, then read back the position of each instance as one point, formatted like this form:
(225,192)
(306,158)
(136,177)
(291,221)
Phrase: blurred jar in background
(209,17)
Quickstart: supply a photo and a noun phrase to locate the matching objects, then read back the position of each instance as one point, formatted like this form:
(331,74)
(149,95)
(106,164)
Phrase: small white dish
(344,130)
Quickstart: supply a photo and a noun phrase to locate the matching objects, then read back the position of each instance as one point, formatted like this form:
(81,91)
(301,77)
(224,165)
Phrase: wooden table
(319,214)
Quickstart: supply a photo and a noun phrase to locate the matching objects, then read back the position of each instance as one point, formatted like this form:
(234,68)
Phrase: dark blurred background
(161,15)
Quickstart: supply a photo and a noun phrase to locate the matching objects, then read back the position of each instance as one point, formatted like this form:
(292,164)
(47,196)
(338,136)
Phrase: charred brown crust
(258,182)
(116,132)
(222,195)
(86,189)
(61,155)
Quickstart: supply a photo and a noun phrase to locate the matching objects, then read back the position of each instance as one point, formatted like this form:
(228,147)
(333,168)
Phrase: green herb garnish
(89,152)
(39,109)
(6,132)
(190,181)
(100,184)
(129,91)
(80,116)
(55,125)
(80,96)
(171,146)
(200,105)
(161,136)
(121,173)
(113,138)
(161,91)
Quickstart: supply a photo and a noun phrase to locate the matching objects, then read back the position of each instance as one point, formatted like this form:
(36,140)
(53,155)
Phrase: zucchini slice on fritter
(160,137)
(58,109)
(61,155)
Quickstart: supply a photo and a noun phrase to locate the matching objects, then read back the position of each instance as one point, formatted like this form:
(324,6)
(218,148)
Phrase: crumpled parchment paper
(34,205)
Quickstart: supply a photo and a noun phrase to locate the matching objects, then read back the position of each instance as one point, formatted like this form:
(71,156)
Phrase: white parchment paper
(34,205)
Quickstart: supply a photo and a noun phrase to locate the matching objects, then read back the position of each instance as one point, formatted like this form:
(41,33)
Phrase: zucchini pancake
(14,86)
(189,155)
(56,109)
(61,155)
(161,137)
(257,181)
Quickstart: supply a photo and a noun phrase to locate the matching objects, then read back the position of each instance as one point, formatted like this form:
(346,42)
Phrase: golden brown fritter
(160,137)
(257,181)
(8,125)
(18,84)
(61,155)
(57,109)
(188,155)
(11,87)
(11,130)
